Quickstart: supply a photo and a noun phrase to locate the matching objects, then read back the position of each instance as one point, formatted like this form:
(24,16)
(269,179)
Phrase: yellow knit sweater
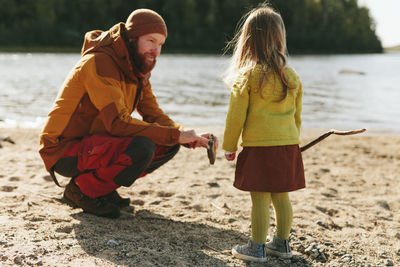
(268,121)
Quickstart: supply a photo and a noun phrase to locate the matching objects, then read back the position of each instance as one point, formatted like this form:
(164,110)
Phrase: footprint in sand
(30,226)
(330,212)
(383,204)
(165,194)
(34,218)
(65,229)
(57,220)
(14,179)
(145,192)
(333,190)
(7,188)
(198,207)
(357,183)
(213,184)
(186,203)
(47,178)
(137,202)
(327,195)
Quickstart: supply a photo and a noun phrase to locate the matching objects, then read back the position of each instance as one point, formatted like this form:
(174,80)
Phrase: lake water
(340,91)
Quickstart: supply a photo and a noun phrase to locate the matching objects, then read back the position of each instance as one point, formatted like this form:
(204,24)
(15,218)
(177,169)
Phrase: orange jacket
(98,97)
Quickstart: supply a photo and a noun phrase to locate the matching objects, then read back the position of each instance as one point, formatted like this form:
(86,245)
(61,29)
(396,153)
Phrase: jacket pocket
(94,156)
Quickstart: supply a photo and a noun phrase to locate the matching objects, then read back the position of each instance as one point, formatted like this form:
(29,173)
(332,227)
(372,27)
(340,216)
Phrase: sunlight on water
(340,91)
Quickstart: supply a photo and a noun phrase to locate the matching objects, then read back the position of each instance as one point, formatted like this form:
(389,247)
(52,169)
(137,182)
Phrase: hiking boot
(116,199)
(97,206)
(279,247)
(251,252)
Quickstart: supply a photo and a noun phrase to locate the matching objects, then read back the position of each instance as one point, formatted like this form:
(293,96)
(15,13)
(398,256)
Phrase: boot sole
(69,202)
(123,203)
(113,215)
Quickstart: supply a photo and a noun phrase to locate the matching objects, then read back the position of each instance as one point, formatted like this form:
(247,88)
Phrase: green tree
(313,26)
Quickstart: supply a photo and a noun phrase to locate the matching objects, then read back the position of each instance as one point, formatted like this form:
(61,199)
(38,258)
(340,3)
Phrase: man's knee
(67,166)
(171,152)
(141,151)
(163,157)
(174,149)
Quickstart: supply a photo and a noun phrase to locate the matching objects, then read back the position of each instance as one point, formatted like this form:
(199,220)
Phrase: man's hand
(230,156)
(207,135)
(190,137)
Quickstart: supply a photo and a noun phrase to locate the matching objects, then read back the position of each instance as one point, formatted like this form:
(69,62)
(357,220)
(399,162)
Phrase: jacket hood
(111,43)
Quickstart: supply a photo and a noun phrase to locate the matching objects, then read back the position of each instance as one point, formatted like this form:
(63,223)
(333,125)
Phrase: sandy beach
(187,213)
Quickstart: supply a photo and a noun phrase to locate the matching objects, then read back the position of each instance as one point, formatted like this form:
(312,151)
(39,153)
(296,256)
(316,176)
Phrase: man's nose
(156,51)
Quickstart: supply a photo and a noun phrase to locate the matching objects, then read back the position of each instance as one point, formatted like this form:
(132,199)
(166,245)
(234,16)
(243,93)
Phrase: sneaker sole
(246,257)
(278,254)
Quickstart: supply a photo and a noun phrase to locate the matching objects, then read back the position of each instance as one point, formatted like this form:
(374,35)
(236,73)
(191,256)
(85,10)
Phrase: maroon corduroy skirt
(274,169)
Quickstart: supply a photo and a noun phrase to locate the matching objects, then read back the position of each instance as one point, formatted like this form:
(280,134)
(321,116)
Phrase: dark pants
(102,163)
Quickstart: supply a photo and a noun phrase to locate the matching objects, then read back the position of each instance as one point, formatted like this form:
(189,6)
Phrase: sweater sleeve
(151,112)
(106,95)
(294,82)
(237,113)
(299,107)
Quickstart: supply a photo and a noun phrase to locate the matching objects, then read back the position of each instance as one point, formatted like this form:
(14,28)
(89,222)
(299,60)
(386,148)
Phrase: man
(90,134)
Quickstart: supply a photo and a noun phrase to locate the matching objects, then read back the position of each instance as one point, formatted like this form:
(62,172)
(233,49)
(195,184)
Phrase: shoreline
(171,51)
(188,213)
(314,131)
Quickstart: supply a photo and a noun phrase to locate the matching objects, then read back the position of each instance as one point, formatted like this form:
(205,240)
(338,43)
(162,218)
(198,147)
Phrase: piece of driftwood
(348,71)
(6,139)
(325,135)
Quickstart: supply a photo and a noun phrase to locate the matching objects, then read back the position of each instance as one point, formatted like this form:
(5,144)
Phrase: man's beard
(139,60)
(143,65)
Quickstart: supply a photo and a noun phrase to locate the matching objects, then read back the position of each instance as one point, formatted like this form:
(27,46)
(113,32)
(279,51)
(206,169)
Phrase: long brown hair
(261,39)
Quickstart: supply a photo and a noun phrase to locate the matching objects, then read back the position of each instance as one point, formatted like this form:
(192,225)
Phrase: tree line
(204,26)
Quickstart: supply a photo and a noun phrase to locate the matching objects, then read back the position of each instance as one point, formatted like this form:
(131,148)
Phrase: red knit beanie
(145,21)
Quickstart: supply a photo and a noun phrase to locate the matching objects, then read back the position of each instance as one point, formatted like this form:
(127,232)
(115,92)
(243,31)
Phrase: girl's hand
(230,156)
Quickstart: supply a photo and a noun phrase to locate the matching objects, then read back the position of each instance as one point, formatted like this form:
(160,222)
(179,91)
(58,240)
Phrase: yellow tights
(260,215)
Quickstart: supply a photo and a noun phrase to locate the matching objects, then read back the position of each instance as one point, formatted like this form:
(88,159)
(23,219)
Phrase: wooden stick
(7,139)
(325,135)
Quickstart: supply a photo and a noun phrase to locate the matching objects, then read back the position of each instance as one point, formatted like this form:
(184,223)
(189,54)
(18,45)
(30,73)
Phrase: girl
(265,106)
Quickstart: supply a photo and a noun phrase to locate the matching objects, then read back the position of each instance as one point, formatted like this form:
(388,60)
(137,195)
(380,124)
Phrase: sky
(386,14)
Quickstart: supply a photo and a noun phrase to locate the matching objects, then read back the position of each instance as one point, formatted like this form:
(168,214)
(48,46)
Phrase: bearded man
(90,134)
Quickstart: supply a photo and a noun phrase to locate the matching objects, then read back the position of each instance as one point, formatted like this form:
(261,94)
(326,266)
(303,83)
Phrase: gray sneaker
(279,247)
(251,252)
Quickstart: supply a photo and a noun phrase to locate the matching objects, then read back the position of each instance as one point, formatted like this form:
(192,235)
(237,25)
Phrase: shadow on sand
(148,239)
